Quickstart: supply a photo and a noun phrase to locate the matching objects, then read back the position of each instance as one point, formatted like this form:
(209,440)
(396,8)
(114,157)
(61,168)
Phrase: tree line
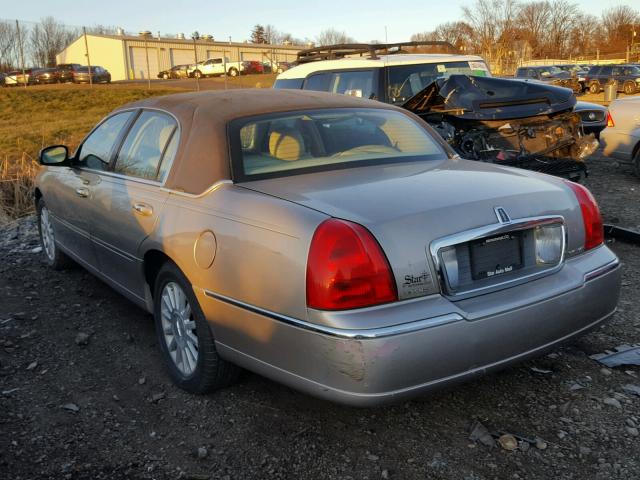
(504,31)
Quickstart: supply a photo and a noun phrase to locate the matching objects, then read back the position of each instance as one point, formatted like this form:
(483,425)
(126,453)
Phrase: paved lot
(107,410)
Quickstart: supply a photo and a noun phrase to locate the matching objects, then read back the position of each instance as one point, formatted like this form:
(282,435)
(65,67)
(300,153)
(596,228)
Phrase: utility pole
(86,54)
(195,56)
(145,34)
(24,75)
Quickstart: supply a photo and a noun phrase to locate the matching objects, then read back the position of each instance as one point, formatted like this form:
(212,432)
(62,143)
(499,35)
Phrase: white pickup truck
(214,67)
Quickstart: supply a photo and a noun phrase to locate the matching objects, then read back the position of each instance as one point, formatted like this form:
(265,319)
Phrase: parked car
(331,243)
(65,71)
(551,75)
(46,75)
(97,75)
(19,78)
(627,77)
(527,124)
(216,67)
(283,66)
(252,66)
(621,139)
(177,71)
(578,71)
(593,116)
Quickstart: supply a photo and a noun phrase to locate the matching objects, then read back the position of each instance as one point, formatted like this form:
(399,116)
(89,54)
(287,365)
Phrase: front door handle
(82,192)
(143,209)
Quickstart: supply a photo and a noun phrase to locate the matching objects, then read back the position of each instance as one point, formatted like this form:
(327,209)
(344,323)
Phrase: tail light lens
(610,120)
(593,229)
(347,268)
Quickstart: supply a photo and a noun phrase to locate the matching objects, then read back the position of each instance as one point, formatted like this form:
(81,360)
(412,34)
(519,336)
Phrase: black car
(46,75)
(551,75)
(578,71)
(65,71)
(627,77)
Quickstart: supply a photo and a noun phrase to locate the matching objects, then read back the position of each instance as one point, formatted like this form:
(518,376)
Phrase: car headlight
(549,240)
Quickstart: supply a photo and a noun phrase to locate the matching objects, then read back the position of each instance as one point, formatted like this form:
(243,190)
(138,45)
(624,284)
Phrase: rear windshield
(405,81)
(329,139)
(290,83)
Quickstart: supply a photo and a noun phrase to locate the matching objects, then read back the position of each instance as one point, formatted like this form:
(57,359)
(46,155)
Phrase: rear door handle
(82,192)
(143,209)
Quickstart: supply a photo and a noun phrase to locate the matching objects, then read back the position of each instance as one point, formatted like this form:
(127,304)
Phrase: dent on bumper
(482,334)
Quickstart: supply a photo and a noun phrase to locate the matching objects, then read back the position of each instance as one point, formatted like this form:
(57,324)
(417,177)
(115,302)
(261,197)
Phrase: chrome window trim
(212,188)
(361,334)
(112,161)
(487,231)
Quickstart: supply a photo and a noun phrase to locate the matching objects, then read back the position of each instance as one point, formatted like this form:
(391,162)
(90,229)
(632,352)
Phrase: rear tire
(636,162)
(53,256)
(594,87)
(185,338)
(197,74)
(233,72)
(629,88)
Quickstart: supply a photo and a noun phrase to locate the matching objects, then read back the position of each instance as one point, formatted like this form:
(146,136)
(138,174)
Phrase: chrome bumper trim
(362,334)
(602,270)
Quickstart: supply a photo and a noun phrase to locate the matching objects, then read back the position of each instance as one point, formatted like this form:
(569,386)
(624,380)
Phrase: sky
(364,21)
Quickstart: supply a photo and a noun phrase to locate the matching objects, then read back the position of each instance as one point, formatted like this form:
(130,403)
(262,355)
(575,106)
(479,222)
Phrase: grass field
(34,117)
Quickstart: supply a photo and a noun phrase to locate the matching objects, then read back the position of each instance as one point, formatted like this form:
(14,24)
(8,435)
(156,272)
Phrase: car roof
(203,155)
(304,69)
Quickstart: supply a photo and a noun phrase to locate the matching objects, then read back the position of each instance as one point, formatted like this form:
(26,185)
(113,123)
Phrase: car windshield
(550,71)
(405,81)
(300,142)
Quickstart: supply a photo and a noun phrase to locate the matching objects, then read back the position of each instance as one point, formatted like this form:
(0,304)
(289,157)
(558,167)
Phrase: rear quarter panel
(261,245)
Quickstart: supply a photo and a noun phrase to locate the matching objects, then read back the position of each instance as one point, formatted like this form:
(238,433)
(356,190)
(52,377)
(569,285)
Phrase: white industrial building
(125,56)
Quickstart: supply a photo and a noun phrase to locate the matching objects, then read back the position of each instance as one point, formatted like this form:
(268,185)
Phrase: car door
(129,198)
(72,195)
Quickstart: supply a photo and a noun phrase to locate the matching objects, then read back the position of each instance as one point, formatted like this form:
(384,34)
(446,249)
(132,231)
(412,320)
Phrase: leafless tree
(47,39)
(8,59)
(562,18)
(331,36)
(533,21)
(423,37)
(618,23)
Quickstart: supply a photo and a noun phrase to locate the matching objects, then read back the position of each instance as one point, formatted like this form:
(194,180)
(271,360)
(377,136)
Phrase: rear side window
(317,140)
(145,147)
(290,83)
(95,152)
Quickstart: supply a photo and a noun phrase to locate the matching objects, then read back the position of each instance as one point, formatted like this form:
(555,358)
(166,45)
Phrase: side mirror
(55,155)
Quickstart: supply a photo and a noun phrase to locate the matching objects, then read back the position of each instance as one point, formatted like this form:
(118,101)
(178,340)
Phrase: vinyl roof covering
(203,153)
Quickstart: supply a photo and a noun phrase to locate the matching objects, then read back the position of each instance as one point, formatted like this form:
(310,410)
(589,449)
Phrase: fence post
(24,76)
(86,54)
(195,56)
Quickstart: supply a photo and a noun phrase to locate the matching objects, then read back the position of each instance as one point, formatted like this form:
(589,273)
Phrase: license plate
(494,256)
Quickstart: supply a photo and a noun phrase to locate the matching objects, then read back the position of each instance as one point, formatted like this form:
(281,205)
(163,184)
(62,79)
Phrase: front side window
(95,152)
(146,143)
(405,81)
(300,142)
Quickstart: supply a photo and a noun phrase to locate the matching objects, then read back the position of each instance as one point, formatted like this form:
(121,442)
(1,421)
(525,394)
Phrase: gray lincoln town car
(331,243)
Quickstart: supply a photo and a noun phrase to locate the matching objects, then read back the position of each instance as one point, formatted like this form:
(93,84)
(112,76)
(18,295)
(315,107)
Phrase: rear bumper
(447,343)
(618,144)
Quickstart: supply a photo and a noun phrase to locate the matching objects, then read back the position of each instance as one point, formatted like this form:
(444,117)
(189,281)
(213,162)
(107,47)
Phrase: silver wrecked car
(331,243)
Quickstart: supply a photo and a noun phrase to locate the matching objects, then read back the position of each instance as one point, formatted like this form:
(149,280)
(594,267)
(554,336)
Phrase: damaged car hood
(489,98)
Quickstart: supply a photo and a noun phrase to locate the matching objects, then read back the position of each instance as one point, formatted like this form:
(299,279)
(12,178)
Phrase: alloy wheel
(179,328)
(48,238)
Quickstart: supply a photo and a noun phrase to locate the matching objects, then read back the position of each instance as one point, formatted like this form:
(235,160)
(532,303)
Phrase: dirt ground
(106,409)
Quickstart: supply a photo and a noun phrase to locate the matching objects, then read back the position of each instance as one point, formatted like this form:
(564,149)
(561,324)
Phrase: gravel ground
(83,395)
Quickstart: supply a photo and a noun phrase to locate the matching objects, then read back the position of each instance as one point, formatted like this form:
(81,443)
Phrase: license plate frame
(495,256)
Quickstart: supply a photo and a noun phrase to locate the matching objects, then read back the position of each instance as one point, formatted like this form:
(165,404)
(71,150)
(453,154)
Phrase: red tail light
(593,229)
(610,120)
(347,268)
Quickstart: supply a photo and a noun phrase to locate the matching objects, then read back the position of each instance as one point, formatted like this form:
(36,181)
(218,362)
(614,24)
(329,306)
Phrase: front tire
(594,87)
(197,74)
(636,162)
(53,256)
(185,338)
(629,88)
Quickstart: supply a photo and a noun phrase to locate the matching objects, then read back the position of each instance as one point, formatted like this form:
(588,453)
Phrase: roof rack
(332,52)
